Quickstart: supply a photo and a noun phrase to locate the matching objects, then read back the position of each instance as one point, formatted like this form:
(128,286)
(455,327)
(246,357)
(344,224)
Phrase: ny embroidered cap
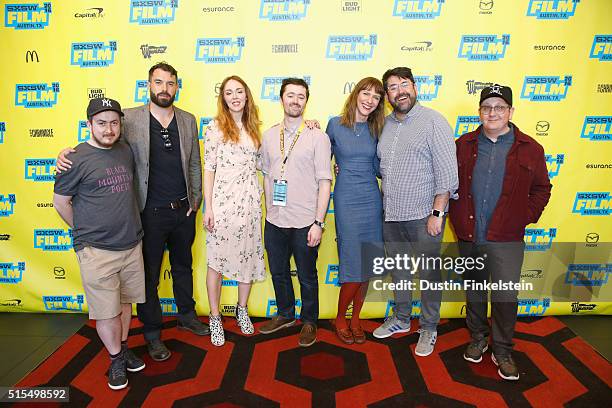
(98,105)
(497,90)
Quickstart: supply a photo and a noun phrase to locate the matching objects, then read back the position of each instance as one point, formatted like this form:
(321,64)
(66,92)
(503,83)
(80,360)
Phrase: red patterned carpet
(557,369)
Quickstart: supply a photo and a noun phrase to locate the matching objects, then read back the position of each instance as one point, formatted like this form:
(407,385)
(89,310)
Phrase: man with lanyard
(296,162)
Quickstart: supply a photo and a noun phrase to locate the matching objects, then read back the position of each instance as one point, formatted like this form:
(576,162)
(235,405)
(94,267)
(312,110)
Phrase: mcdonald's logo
(348,87)
(30,54)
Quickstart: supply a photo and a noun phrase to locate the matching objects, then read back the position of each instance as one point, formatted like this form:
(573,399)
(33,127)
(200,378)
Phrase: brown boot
(275,324)
(308,335)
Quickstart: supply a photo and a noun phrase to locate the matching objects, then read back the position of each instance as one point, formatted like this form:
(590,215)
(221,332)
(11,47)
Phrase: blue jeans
(280,244)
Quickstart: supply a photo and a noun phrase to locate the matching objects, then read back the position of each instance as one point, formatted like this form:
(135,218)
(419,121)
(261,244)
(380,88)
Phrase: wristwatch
(438,213)
(319,223)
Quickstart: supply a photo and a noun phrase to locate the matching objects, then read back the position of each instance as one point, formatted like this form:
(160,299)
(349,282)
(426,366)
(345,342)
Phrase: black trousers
(174,229)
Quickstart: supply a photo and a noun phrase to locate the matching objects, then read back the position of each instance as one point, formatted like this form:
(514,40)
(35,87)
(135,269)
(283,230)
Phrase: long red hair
(250,116)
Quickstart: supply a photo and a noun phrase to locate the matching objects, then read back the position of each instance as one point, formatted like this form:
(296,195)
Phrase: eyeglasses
(395,87)
(166,138)
(499,109)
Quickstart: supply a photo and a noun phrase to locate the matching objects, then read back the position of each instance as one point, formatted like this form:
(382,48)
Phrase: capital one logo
(7,205)
(597,128)
(486,47)
(351,47)
(30,16)
(36,95)
(428,86)
(417,9)
(466,124)
(552,9)
(93,54)
(279,10)
(592,203)
(553,164)
(270,87)
(141,91)
(153,12)
(546,88)
(219,50)
(539,239)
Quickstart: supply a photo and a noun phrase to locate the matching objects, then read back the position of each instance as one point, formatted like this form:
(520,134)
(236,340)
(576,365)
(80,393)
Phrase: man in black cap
(96,198)
(503,186)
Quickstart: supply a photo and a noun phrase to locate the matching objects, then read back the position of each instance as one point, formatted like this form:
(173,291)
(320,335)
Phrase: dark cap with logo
(98,105)
(497,90)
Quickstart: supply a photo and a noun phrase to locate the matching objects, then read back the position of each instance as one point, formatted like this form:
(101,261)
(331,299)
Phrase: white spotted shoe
(244,322)
(217,336)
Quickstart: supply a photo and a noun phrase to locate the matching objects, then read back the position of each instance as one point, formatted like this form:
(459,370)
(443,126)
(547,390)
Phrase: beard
(297,113)
(162,103)
(396,106)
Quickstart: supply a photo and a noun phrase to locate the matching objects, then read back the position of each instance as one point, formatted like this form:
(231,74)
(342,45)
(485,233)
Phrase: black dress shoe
(195,326)
(158,350)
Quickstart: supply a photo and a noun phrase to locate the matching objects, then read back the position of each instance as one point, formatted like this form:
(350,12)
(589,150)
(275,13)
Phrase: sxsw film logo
(588,274)
(272,310)
(483,47)
(93,54)
(533,307)
(416,308)
(7,205)
(552,9)
(2,130)
(84,134)
(153,12)
(149,50)
(279,10)
(68,302)
(417,9)
(351,47)
(466,124)
(141,91)
(546,88)
(219,50)
(428,86)
(11,273)
(331,278)
(40,169)
(229,282)
(602,48)
(592,203)
(36,95)
(542,128)
(597,128)
(539,239)
(553,164)
(475,87)
(270,87)
(168,306)
(53,239)
(29,16)
(204,121)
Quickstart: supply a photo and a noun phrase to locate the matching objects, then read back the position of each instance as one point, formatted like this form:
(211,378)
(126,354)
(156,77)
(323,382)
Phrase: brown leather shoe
(345,336)
(308,335)
(275,324)
(358,335)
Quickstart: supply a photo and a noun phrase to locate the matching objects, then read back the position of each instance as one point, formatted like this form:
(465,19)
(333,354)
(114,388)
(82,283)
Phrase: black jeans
(280,244)
(164,226)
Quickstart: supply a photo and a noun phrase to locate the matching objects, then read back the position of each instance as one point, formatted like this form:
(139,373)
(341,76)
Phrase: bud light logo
(533,307)
(351,47)
(93,54)
(552,9)
(219,50)
(272,310)
(588,274)
(466,124)
(331,278)
(416,308)
(40,169)
(36,95)
(204,121)
(30,16)
(168,306)
(483,47)
(229,282)
(602,48)
(7,205)
(597,128)
(2,130)
(546,88)
(68,302)
(84,132)
(141,91)
(278,10)
(553,164)
(153,12)
(417,9)
(270,87)
(11,273)
(539,239)
(591,203)
(428,86)
(53,239)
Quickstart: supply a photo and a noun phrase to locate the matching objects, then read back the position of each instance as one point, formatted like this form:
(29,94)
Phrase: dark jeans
(164,226)
(503,262)
(280,244)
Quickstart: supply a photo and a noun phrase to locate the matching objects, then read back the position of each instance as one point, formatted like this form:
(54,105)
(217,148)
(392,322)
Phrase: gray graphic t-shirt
(101,183)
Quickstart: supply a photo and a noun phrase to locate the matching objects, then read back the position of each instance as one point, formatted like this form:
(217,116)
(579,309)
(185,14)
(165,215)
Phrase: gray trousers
(412,238)
(503,262)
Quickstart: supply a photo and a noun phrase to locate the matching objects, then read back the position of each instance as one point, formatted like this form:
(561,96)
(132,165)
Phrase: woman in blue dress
(357,198)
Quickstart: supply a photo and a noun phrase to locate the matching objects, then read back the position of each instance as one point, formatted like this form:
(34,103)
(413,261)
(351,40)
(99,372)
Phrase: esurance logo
(272,310)
(93,54)
(331,278)
(40,169)
(588,274)
(219,50)
(2,130)
(428,86)
(546,88)
(597,128)
(417,9)
(466,124)
(204,121)
(68,302)
(539,239)
(168,306)
(279,10)
(36,95)
(270,87)
(153,12)
(592,203)
(30,16)
(553,164)
(552,9)
(351,47)
(53,239)
(483,47)
(11,273)
(602,48)
(533,307)
(141,91)
(7,205)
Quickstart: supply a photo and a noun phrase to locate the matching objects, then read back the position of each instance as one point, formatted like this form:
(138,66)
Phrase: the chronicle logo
(588,274)
(53,239)
(483,47)
(592,203)
(597,128)
(141,91)
(7,205)
(2,131)
(30,16)
(546,88)
(475,87)
(270,87)
(542,127)
(36,95)
(153,12)
(552,9)
(41,132)
(553,163)
(417,9)
(350,6)
(418,46)
(284,48)
(93,93)
(68,302)
(149,50)
(30,55)
(219,50)
(466,124)
(40,169)
(539,239)
(93,54)
(604,88)
(428,86)
(283,10)
(602,48)
(351,47)
(5,237)
(578,307)
(204,121)
(92,12)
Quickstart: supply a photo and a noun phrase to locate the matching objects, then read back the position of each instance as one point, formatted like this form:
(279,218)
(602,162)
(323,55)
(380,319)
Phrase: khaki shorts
(111,278)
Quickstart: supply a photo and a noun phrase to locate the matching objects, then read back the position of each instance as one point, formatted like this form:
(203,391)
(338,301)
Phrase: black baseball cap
(497,90)
(98,105)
